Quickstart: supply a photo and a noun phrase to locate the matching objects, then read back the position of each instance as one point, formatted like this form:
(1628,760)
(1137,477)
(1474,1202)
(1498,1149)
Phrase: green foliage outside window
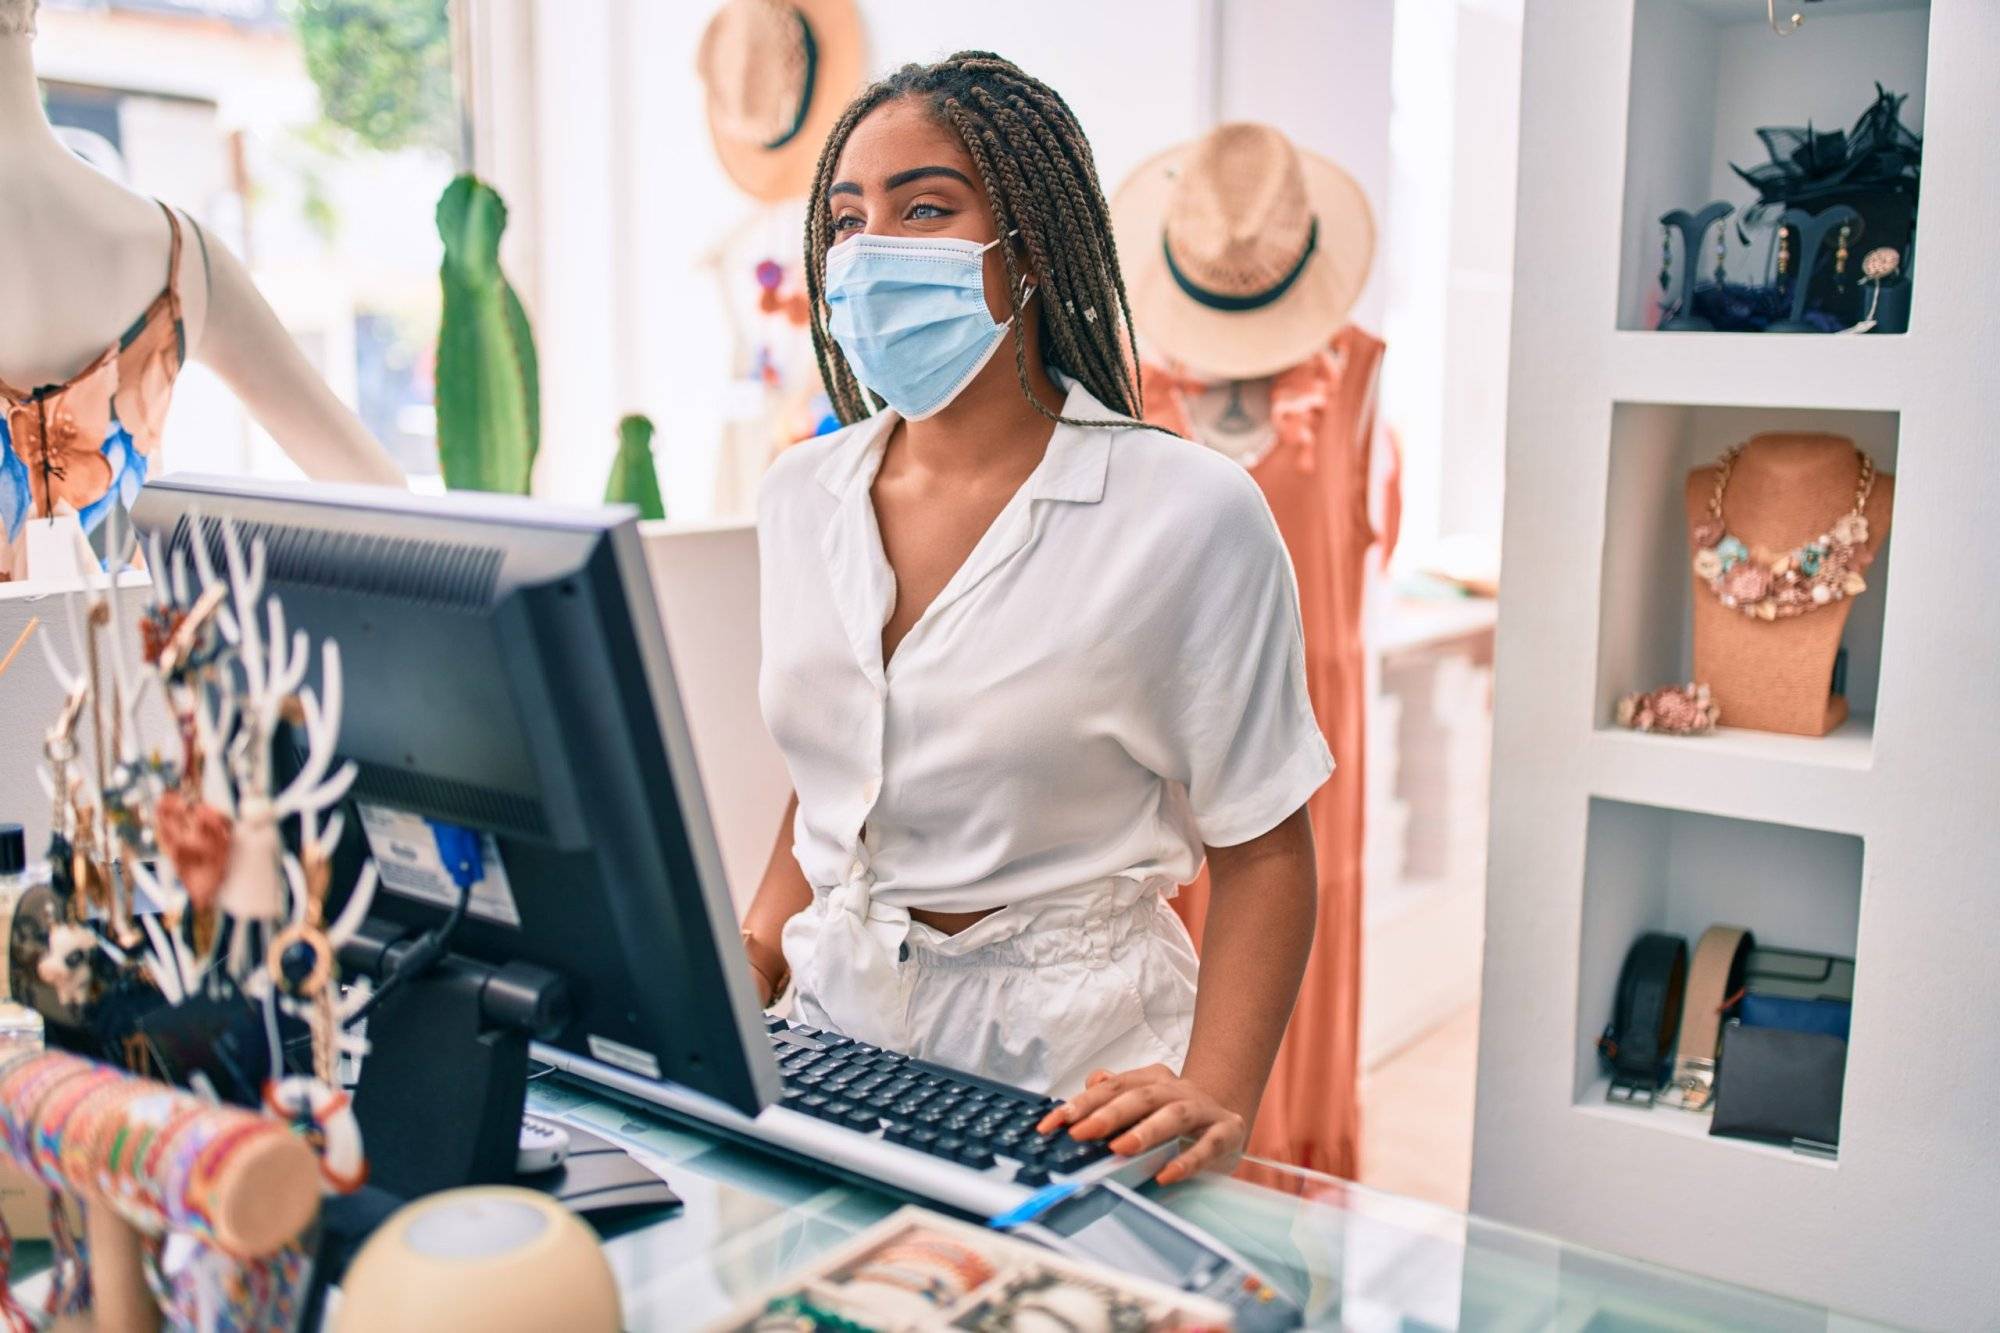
(383,69)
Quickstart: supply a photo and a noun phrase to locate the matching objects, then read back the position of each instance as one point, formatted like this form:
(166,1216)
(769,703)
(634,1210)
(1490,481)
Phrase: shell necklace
(1773,585)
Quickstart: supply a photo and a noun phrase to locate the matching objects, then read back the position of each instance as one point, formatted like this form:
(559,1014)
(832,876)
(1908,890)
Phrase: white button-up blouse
(1114,677)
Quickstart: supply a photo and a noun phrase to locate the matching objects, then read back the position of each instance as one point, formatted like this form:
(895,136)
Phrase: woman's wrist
(1235,1092)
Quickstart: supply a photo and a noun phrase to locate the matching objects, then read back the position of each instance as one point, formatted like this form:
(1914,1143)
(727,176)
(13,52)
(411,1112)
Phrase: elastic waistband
(1088,923)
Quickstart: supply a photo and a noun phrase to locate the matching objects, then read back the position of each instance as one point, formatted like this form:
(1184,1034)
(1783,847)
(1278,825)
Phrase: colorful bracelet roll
(163,1159)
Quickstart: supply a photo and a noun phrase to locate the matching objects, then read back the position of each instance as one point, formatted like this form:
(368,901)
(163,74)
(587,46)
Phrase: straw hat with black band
(1243,255)
(778,73)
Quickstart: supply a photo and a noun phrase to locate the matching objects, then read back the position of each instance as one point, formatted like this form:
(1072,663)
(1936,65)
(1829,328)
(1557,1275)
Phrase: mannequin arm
(241,339)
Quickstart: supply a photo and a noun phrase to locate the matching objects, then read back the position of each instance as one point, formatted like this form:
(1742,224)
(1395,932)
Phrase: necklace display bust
(1784,490)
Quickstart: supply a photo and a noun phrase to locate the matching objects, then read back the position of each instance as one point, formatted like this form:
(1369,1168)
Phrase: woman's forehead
(897,136)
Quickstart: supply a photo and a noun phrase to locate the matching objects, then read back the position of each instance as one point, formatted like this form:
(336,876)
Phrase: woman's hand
(1145,1108)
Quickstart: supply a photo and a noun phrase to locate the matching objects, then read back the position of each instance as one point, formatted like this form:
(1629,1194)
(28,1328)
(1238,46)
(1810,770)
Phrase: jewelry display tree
(1876,840)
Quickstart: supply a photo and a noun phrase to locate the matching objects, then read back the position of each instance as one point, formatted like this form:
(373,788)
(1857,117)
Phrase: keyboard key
(895,1129)
(1032,1176)
(1006,1138)
(1074,1156)
(861,1117)
(976,1156)
(811,1102)
(831,1040)
(932,1116)
(806,1080)
(950,1145)
(958,1123)
(923,1138)
(837,1110)
(773,1023)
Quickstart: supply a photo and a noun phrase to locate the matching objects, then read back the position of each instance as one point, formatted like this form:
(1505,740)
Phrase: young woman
(1028,661)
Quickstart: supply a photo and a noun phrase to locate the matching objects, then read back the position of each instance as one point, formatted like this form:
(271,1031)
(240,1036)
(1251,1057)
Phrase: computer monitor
(505,671)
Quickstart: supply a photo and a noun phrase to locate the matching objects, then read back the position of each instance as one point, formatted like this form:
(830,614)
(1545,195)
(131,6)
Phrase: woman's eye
(846,222)
(926,212)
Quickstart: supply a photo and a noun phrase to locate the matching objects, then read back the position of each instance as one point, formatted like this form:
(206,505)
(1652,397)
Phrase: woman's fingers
(1099,1089)
(1169,1122)
(1127,1108)
(1222,1142)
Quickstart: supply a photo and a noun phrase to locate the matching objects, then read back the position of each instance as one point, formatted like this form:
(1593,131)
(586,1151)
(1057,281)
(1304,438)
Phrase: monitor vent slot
(453,802)
(447,575)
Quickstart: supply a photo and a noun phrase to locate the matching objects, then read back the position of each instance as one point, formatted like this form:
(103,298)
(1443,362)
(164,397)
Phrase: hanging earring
(1721,255)
(1784,251)
(1840,251)
(1666,260)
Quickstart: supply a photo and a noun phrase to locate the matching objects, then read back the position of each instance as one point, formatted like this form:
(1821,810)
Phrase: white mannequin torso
(81,257)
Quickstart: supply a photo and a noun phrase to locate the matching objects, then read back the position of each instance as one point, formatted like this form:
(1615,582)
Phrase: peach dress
(1315,474)
(87,443)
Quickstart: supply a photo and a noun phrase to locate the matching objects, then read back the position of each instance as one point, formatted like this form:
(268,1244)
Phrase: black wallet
(1779,1086)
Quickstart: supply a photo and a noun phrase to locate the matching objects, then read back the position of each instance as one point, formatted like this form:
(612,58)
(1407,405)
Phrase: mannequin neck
(24,128)
(1790,456)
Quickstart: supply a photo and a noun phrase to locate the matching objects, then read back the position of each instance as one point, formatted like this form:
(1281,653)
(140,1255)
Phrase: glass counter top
(1353,1257)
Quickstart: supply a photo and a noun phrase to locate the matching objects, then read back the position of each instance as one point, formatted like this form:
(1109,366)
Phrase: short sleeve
(1235,723)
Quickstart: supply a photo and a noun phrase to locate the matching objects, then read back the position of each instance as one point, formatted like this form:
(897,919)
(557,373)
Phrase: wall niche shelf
(1680,1124)
(1645,635)
(1653,868)
(1706,75)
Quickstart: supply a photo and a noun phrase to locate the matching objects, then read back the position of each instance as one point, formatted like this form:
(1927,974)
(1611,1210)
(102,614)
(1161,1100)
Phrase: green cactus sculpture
(489,411)
(633,480)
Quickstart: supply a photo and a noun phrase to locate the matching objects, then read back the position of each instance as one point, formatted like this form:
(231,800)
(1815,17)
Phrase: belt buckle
(1695,1077)
(1626,1090)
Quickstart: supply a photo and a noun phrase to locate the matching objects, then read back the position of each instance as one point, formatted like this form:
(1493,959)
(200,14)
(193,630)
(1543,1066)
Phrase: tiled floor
(1416,1115)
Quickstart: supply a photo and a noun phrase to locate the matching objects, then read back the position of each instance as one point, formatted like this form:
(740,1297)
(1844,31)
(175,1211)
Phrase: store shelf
(1758,370)
(1820,782)
(1650,868)
(1848,746)
(1686,1125)
(1706,75)
(1645,614)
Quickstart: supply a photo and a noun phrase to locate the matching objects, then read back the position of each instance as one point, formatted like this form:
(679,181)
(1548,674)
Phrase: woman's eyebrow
(903,178)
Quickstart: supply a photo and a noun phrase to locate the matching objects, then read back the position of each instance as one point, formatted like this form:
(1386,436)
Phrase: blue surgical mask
(909,313)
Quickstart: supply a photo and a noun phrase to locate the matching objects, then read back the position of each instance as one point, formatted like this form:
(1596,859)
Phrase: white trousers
(1036,995)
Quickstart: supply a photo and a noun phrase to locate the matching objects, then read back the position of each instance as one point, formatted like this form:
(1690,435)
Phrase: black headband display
(1252,300)
(811,49)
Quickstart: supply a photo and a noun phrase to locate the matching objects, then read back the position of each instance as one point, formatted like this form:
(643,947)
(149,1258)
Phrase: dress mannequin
(1784,490)
(80,256)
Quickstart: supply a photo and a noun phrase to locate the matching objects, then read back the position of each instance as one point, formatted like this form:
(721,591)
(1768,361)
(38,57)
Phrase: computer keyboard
(920,1129)
(942,1112)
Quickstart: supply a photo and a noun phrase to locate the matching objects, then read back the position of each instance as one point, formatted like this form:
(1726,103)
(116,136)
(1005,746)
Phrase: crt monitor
(505,672)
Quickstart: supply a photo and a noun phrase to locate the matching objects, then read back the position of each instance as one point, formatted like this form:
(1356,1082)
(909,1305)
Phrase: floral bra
(87,442)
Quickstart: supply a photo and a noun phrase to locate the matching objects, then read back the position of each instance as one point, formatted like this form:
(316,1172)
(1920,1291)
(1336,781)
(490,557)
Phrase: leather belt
(1646,1017)
(1714,988)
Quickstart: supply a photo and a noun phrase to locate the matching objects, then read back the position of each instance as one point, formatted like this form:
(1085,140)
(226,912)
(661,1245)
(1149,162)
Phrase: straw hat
(778,74)
(1242,254)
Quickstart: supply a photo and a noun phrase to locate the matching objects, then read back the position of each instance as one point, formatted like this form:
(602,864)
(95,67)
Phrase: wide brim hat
(1243,255)
(778,74)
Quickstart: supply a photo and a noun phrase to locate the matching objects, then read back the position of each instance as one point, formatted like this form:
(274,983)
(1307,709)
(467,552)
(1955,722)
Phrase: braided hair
(1038,171)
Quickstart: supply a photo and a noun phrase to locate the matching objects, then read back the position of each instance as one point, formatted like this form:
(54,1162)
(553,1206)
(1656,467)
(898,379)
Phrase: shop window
(313,137)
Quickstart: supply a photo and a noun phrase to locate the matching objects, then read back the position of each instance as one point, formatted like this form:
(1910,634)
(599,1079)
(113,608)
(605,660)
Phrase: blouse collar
(1072,469)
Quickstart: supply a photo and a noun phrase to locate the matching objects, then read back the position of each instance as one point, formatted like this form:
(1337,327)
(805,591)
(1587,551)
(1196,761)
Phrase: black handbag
(1779,1086)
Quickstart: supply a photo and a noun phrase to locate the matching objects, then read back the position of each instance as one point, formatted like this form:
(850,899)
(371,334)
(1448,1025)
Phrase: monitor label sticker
(629,1058)
(408,861)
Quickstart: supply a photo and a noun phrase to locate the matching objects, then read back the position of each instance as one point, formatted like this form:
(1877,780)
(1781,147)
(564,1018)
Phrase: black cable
(428,949)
